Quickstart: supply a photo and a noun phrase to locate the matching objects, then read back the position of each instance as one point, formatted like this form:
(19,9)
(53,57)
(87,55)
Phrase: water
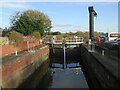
(62,73)
(64,78)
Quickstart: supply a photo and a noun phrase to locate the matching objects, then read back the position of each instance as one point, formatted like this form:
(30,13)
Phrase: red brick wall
(7,50)
(11,49)
(22,62)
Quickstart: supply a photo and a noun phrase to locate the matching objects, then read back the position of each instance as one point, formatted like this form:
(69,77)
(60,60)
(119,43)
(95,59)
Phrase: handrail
(66,40)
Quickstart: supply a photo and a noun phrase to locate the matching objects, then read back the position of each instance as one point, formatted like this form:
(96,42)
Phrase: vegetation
(14,37)
(85,35)
(36,34)
(5,31)
(1,42)
(29,21)
(55,33)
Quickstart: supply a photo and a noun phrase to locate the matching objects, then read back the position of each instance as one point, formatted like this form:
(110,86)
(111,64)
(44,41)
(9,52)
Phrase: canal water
(64,71)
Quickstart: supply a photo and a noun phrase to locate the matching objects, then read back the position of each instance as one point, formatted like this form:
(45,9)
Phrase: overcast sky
(66,16)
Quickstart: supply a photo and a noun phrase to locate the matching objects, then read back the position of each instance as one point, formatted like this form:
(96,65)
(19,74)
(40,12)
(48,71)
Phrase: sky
(66,16)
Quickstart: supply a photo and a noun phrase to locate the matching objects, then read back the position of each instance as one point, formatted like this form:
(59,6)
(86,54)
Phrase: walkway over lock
(69,40)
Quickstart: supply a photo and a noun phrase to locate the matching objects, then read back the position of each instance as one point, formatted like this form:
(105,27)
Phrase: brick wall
(23,46)
(15,71)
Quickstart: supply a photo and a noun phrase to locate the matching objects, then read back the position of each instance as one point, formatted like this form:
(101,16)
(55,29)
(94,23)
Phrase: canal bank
(101,71)
(16,69)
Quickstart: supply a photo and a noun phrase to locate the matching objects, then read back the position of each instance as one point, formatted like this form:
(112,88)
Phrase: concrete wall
(100,72)
(18,70)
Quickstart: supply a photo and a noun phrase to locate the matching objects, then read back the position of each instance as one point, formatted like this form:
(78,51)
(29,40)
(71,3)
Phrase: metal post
(91,25)
(92,13)
(64,65)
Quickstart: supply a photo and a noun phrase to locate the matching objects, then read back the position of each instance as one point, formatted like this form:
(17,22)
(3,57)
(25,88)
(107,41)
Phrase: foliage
(14,37)
(85,35)
(1,42)
(5,31)
(36,34)
(29,21)
(55,33)
(96,34)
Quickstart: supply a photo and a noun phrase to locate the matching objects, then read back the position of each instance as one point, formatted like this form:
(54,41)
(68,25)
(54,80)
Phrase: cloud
(14,5)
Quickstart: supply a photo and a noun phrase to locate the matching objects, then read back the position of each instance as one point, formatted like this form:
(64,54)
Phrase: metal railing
(64,40)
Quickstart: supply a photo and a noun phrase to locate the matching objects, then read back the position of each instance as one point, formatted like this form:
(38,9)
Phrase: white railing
(65,40)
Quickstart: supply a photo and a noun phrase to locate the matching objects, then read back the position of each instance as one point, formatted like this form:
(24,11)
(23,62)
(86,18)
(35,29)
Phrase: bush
(36,34)
(1,42)
(14,37)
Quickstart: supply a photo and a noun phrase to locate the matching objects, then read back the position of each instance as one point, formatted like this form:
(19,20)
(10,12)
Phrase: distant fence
(23,46)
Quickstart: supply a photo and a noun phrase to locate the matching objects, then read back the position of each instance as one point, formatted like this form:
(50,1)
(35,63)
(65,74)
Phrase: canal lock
(64,70)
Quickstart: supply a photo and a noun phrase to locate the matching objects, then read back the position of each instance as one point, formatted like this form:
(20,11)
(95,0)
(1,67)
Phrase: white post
(90,44)
(40,41)
(76,39)
(16,53)
(103,52)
